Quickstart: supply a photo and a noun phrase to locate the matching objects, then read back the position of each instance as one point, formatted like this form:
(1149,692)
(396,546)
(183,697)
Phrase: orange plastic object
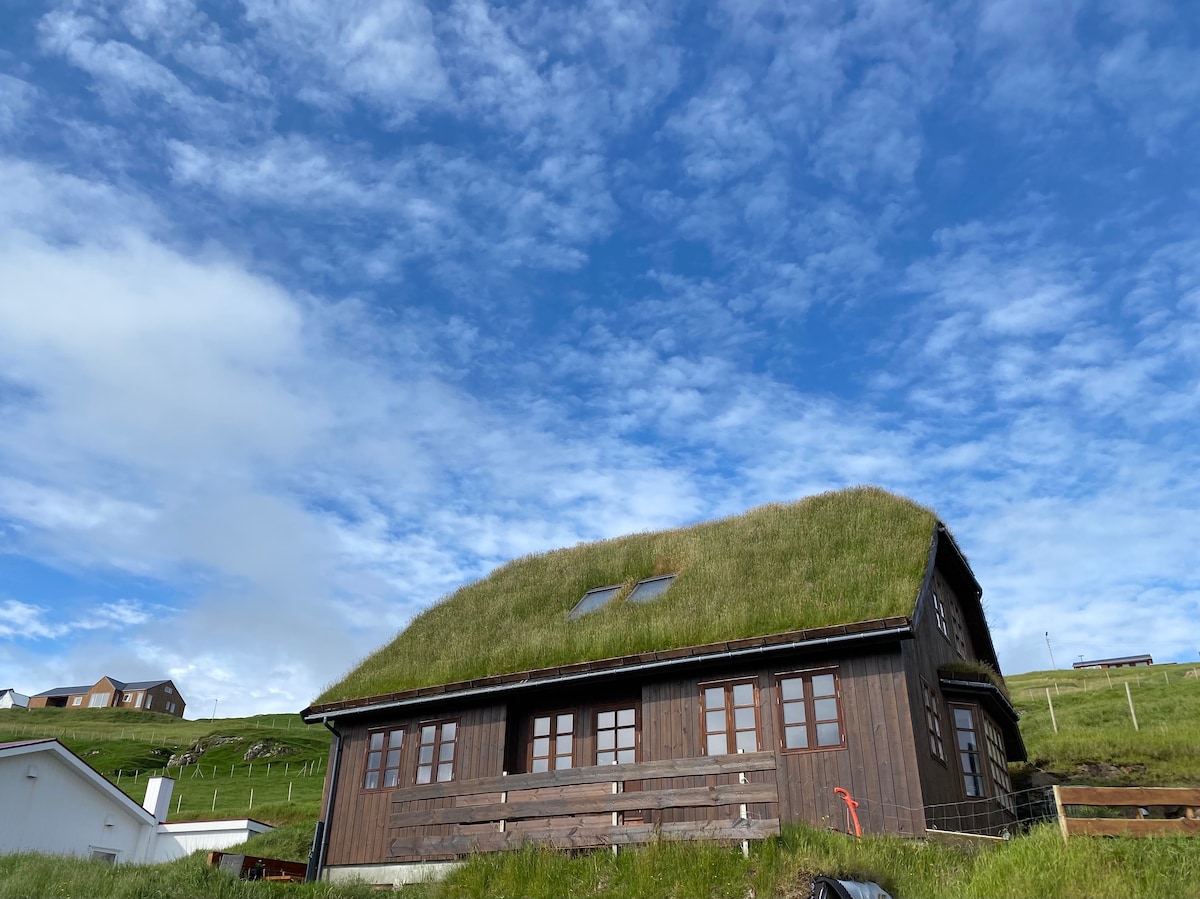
(851,805)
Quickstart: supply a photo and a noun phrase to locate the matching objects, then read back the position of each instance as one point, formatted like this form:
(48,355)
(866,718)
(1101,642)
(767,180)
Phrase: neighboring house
(1122,662)
(11,699)
(55,803)
(713,681)
(110,693)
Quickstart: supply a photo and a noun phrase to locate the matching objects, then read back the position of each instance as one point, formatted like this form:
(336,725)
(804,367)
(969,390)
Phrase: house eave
(994,697)
(878,631)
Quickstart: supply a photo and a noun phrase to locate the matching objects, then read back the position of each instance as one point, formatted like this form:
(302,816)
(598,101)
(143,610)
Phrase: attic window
(593,600)
(644,591)
(651,587)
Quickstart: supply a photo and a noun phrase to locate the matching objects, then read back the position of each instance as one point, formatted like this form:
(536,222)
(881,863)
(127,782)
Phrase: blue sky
(311,312)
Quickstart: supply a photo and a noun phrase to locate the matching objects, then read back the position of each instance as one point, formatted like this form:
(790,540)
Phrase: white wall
(61,812)
(13,699)
(183,838)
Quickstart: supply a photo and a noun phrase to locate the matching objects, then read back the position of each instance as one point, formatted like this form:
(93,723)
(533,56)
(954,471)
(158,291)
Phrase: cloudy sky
(311,312)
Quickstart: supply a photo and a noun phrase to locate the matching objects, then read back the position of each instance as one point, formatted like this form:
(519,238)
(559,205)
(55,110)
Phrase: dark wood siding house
(847,658)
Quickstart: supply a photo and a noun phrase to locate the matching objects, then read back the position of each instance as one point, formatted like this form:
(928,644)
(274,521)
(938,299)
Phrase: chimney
(158,797)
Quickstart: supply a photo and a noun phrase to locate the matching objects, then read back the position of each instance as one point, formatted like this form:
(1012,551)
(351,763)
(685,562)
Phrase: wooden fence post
(1132,713)
(1050,702)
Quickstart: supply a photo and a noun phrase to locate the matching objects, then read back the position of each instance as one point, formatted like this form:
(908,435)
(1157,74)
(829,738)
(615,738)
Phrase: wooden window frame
(384,752)
(933,722)
(959,628)
(531,757)
(939,613)
(810,719)
(617,707)
(998,764)
(980,750)
(436,762)
(731,731)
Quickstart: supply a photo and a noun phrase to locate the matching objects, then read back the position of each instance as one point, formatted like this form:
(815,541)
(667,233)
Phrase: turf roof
(837,558)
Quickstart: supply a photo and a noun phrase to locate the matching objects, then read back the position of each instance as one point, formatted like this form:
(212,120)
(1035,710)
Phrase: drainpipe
(316,861)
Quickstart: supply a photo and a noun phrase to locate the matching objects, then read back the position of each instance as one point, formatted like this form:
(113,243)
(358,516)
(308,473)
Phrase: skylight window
(644,591)
(593,600)
(651,587)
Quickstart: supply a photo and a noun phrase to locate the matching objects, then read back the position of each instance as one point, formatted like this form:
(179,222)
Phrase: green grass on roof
(836,558)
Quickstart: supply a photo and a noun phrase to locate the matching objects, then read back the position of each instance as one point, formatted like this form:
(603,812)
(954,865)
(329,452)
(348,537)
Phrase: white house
(55,802)
(11,699)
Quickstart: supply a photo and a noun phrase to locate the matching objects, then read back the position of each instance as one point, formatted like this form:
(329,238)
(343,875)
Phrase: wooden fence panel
(1135,798)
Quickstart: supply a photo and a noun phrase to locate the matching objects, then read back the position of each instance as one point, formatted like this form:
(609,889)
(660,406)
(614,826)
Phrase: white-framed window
(100,854)
(127,697)
(149,700)
(168,688)
(99,700)
(939,610)
(76,700)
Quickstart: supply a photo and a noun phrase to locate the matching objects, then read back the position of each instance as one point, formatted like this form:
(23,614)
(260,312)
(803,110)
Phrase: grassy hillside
(127,746)
(840,557)
(1096,742)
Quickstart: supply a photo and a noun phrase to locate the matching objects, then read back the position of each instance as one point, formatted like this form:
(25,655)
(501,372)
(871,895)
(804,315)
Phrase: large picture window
(383,758)
(616,736)
(810,706)
(435,754)
(730,717)
(553,745)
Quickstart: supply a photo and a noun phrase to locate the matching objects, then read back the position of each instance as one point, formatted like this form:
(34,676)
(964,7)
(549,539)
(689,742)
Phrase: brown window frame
(810,721)
(998,763)
(553,755)
(730,730)
(384,755)
(933,722)
(618,707)
(959,629)
(435,763)
(939,614)
(979,751)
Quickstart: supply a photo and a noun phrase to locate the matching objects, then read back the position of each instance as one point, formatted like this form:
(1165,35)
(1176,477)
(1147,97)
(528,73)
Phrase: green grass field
(1096,742)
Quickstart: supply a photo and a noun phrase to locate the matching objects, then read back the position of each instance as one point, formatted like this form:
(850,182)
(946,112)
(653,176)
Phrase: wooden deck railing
(581,807)
(1185,800)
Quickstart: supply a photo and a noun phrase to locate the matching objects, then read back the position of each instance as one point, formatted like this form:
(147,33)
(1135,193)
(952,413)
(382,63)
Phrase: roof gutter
(902,632)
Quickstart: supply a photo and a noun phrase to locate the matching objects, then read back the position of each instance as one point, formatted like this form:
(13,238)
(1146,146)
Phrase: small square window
(76,700)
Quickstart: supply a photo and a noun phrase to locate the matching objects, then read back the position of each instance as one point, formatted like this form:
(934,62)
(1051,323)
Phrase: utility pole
(1052,663)
(214,714)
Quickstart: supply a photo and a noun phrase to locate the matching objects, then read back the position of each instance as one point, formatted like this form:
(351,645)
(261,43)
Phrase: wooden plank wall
(877,766)
(359,828)
(942,782)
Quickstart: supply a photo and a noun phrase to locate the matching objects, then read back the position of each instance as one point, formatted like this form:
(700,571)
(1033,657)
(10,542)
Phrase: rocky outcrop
(191,755)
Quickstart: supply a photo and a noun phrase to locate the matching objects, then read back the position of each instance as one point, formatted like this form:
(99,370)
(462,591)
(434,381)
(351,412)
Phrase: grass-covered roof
(837,558)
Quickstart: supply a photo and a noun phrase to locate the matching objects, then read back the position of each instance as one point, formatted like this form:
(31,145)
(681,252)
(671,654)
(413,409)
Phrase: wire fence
(987,816)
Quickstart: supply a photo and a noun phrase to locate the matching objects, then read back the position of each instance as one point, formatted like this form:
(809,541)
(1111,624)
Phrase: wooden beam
(1132,827)
(585,838)
(689,797)
(719,764)
(1129,796)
